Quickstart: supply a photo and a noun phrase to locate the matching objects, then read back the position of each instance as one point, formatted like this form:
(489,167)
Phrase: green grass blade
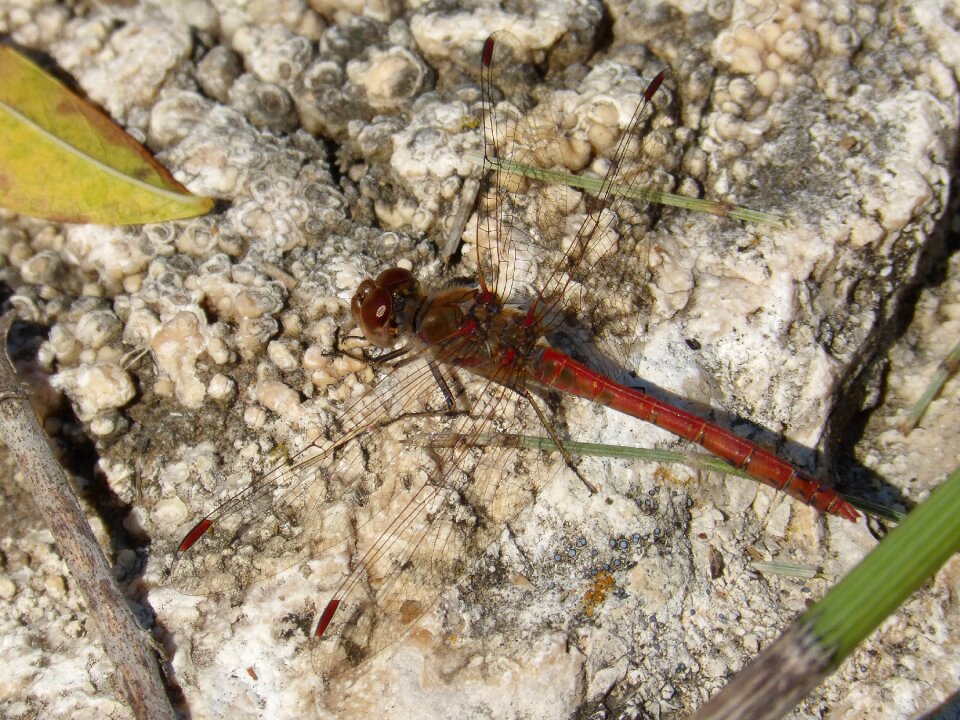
(695,460)
(881,512)
(700,461)
(947,368)
(806,572)
(900,564)
(821,638)
(557,177)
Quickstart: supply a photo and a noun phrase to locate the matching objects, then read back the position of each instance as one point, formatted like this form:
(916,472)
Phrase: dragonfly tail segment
(562,372)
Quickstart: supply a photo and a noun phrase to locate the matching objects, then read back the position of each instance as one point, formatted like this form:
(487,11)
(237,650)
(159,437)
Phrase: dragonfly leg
(442,384)
(567,458)
(387,356)
(363,354)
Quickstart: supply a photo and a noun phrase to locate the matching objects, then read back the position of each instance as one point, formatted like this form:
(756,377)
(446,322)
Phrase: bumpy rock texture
(200,353)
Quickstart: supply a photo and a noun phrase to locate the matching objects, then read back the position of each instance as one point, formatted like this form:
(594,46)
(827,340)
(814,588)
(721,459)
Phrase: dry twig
(126,643)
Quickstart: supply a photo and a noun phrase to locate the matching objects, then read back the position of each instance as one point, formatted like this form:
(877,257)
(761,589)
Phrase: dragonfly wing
(310,503)
(571,249)
(440,527)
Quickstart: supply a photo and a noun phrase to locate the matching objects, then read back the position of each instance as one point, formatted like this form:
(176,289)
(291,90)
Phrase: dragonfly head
(385,307)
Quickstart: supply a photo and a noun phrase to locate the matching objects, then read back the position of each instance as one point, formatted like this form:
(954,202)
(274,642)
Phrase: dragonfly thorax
(446,314)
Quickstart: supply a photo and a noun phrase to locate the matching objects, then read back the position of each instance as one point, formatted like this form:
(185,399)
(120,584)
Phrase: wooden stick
(126,643)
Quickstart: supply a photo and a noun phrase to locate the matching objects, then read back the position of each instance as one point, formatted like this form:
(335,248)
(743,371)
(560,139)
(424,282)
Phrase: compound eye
(376,315)
(360,296)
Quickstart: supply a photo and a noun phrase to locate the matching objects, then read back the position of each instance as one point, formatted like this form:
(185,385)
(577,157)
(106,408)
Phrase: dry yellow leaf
(63,159)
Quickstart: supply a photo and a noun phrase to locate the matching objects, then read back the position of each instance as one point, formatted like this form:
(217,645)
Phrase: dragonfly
(407,518)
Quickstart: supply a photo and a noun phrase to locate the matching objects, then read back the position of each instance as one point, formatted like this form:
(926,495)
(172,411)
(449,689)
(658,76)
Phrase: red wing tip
(654,85)
(326,616)
(487,57)
(191,537)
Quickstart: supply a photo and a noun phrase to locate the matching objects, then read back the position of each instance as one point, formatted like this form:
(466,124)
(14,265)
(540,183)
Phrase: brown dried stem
(774,681)
(126,643)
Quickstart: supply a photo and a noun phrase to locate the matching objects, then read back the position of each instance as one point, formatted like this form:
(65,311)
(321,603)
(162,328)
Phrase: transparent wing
(564,250)
(437,527)
(409,486)
(310,503)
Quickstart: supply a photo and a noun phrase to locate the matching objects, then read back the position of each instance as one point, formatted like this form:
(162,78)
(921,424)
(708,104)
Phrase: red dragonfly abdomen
(562,372)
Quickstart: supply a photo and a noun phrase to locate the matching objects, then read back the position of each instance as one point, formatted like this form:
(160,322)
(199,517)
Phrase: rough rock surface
(198,353)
